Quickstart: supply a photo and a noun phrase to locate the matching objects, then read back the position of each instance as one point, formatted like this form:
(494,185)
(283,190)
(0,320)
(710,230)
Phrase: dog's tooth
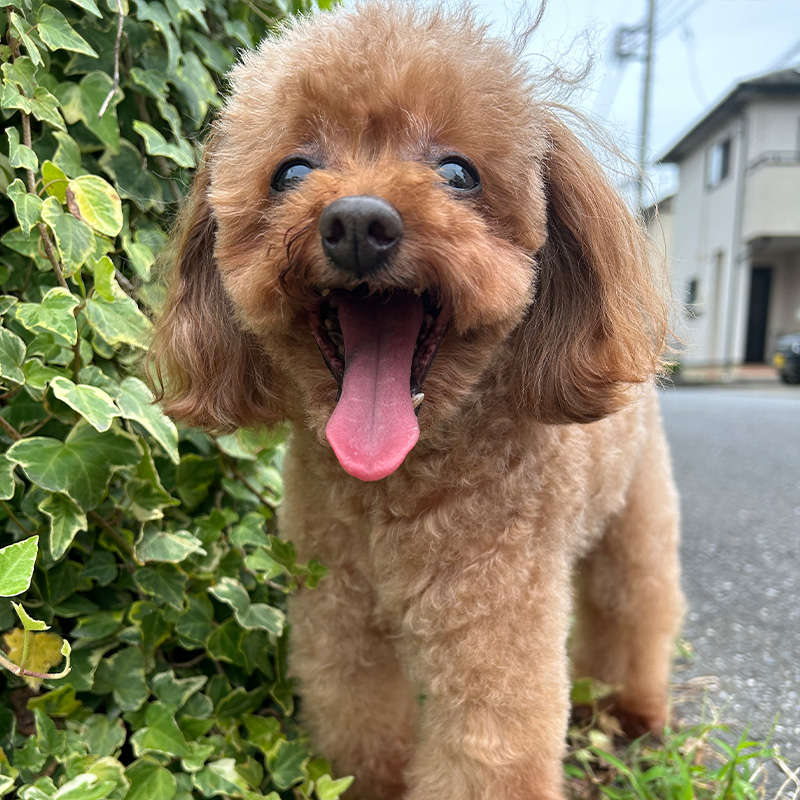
(330,324)
(418,292)
(325,292)
(416,400)
(340,351)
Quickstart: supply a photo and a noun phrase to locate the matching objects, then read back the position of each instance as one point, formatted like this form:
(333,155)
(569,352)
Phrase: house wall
(703,244)
(785,311)
(774,125)
(772,200)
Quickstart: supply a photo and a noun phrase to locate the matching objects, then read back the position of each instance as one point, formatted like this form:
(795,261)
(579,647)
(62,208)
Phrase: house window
(691,305)
(719,162)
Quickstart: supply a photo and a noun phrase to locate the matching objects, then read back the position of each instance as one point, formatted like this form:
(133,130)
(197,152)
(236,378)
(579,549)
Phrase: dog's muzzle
(360,232)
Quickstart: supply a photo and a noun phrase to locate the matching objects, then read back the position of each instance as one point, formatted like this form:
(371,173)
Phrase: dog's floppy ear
(208,371)
(597,323)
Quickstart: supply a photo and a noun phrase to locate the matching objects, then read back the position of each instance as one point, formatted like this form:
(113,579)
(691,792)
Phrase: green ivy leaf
(197,87)
(195,475)
(155,83)
(66,519)
(240,702)
(22,71)
(287,763)
(88,5)
(131,176)
(11,98)
(85,787)
(7,301)
(16,566)
(67,157)
(109,769)
(23,30)
(171,546)
(55,181)
(119,322)
(96,203)
(74,238)
(27,206)
(103,270)
(195,625)
(83,102)
(38,377)
(165,582)
(156,145)
(255,615)
(81,466)
(176,691)
(53,315)
(157,14)
(149,781)
(7,482)
(28,622)
(220,778)
(249,531)
(329,789)
(161,735)
(12,354)
(58,34)
(220,59)
(44,107)
(125,671)
(93,404)
(136,402)
(103,736)
(20,156)
(224,643)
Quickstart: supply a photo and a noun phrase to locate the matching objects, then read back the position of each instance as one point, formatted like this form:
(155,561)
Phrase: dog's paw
(635,724)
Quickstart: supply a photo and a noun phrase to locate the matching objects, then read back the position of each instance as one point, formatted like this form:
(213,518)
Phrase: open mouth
(379,347)
(327,330)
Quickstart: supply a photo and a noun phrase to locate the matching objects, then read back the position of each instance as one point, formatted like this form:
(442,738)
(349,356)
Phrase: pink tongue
(373,426)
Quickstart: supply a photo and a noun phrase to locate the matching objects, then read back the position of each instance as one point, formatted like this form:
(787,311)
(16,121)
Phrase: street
(736,454)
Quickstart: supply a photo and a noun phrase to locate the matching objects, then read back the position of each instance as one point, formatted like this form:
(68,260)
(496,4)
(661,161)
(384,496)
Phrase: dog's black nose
(359,232)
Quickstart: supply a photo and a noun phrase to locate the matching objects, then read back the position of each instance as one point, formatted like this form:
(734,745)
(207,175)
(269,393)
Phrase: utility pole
(627,45)
(644,121)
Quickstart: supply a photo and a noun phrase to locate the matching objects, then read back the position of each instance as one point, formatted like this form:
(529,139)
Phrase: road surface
(736,453)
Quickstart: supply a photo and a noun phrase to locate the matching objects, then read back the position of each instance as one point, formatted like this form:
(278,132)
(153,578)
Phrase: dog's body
(430,228)
(451,579)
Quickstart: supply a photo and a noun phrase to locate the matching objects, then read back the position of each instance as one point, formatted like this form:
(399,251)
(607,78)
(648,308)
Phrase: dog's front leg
(487,642)
(357,703)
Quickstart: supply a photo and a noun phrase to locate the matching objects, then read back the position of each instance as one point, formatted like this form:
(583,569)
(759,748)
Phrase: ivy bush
(144,649)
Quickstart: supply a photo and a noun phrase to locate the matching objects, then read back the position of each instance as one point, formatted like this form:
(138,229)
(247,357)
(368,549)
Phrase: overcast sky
(705,47)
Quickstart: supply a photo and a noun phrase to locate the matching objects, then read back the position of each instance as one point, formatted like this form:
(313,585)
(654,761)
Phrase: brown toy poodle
(396,246)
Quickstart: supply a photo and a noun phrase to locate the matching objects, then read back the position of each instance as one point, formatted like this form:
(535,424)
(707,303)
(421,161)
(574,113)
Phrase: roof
(783,82)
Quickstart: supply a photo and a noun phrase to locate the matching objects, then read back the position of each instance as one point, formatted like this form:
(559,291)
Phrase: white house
(735,224)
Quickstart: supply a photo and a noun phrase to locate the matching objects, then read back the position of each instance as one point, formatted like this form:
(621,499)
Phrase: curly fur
(541,481)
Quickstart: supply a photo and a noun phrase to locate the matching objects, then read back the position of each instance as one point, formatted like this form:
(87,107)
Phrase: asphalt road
(736,453)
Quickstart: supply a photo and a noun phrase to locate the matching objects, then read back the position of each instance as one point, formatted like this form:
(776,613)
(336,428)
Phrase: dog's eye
(290,174)
(459,174)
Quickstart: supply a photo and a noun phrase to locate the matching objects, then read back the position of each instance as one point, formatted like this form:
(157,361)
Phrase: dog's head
(387,212)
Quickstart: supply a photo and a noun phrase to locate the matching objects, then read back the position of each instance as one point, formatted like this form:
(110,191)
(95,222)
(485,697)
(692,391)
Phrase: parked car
(787,358)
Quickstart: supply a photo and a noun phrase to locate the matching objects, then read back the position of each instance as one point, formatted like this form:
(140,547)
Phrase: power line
(687,36)
(680,16)
(667,10)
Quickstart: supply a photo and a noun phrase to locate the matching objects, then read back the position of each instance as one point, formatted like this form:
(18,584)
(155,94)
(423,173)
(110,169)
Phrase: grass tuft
(696,762)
